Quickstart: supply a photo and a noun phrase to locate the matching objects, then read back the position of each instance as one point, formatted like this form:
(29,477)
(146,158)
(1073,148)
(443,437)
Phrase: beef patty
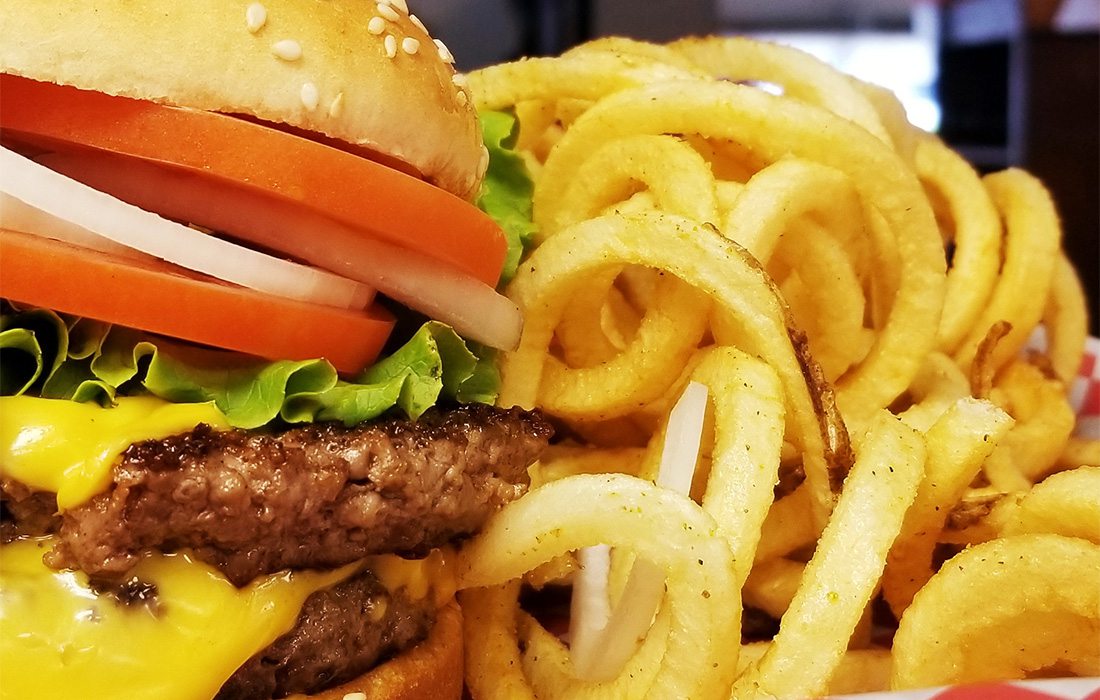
(341,633)
(317,496)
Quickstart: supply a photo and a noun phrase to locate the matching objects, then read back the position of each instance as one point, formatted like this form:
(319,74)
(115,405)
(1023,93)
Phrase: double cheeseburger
(223,473)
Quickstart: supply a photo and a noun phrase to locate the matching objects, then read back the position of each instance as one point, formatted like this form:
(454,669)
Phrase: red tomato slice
(375,199)
(474,309)
(157,297)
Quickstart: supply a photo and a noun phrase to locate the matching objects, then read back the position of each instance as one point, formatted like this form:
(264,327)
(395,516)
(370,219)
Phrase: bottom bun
(431,670)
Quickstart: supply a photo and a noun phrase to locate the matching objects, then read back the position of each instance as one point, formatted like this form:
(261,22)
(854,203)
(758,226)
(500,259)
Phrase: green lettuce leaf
(33,344)
(45,354)
(54,356)
(507,190)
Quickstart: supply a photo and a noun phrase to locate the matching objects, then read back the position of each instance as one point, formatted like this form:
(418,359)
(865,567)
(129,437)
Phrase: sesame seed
(310,97)
(410,45)
(287,49)
(463,98)
(391,45)
(399,4)
(419,25)
(445,54)
(255,17)
(460,80)
(355,696)
(388,12)
(376,25)
(336,107)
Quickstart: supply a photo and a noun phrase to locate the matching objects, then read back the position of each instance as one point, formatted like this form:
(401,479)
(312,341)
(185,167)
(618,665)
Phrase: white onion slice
(683,434)
(439,290)
(17,215)
(589,604)
(80,207)
(474,309)
(601,640)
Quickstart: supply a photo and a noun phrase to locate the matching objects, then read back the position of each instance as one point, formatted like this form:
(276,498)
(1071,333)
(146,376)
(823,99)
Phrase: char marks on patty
(317,496)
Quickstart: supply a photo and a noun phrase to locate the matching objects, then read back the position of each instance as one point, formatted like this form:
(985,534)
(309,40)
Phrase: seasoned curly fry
(700,258)
(1066,321)
(702,596)
(884,182)
(1039,604)
(1033,238)
(675,174)
(1067,503)
(975,235)
(800,75)
(958,443)
(841,577)
(825,269)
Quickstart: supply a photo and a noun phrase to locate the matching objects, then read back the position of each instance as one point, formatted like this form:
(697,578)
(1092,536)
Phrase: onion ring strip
(601,639)
(547,663)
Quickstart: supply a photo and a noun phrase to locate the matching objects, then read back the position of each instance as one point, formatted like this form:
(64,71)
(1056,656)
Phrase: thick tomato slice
(159,298)
(370,197)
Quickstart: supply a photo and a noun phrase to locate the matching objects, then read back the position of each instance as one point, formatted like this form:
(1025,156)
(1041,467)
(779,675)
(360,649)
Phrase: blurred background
(1006,82)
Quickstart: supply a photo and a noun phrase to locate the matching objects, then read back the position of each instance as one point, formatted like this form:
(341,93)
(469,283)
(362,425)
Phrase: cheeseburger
(224,473)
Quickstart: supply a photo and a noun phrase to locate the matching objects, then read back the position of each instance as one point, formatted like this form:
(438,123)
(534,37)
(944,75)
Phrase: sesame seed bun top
(356,71)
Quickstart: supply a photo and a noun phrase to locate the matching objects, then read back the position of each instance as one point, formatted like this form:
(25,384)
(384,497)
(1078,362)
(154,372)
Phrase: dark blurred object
(552,26)
(659,21)
(1014,91)
(1040,13)
(752,16)
(477,32)
(483,32)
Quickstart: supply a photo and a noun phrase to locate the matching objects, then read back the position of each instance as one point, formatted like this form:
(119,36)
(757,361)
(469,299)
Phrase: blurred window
(904,62)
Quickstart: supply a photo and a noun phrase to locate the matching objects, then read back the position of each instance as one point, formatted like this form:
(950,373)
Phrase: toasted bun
(432,670)
(205,55)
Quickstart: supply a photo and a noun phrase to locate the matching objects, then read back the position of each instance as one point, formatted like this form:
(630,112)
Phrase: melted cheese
(58,639)
(434,575)
(68,448)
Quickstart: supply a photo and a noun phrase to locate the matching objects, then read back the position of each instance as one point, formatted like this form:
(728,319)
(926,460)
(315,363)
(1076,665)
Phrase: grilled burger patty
(26,512)
(318,496)
(312,497)
(341,633)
